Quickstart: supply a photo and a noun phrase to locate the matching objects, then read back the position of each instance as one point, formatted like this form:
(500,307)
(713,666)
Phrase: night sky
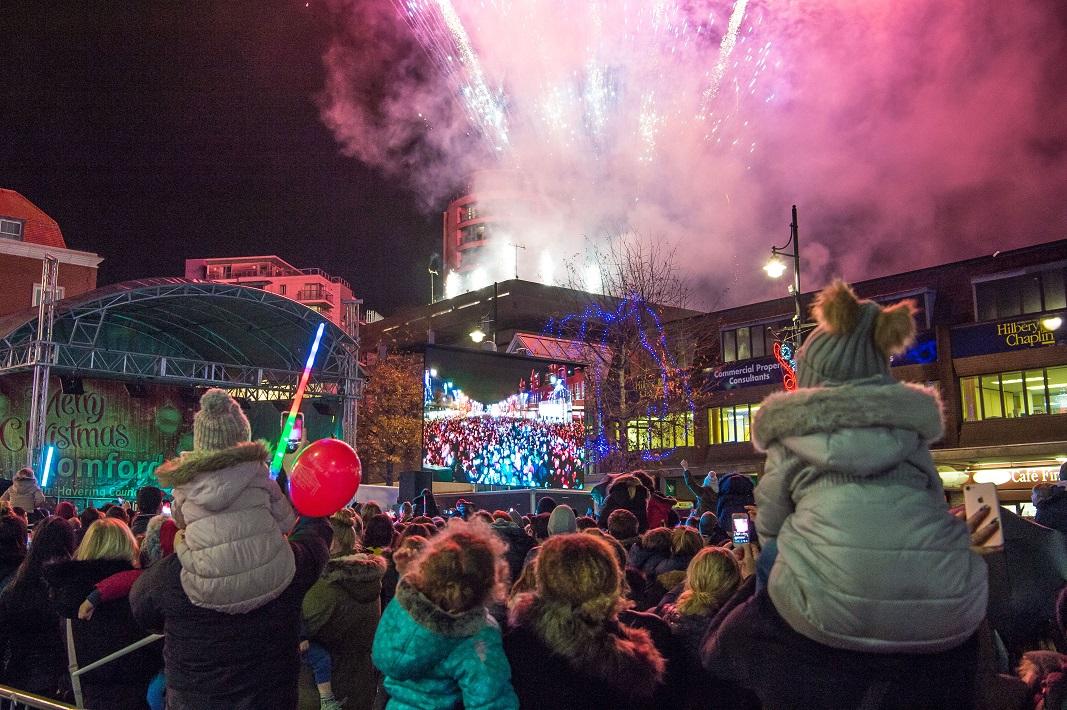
(156,132)
(909,133)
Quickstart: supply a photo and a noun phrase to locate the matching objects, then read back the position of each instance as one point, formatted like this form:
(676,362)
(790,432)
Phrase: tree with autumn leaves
(390,422)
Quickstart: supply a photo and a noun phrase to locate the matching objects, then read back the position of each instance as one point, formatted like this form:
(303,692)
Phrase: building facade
(325,294)
(27,237)
(484,234)
(992,339)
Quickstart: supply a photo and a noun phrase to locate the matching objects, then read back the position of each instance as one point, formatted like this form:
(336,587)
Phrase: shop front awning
(185,332)
(550,348)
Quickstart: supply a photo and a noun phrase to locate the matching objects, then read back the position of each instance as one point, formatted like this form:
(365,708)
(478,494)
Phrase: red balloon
(325,478)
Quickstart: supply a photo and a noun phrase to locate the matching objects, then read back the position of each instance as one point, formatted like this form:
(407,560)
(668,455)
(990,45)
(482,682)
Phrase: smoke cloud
(907,132)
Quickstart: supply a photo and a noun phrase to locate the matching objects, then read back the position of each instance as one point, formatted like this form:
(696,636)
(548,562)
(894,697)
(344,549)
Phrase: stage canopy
(185,332)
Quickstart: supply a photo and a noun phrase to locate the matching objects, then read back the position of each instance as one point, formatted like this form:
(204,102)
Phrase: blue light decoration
(922,352)
(636,311)
(50,452)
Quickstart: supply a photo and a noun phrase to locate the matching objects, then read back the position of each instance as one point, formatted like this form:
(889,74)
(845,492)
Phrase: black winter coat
(543,679)
(626,492)
(1050,502)
(121,684)
(519,545)
(236,661)
(32,638)
(748,643)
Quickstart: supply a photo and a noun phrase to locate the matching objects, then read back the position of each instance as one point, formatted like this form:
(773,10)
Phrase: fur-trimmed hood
(191,464)
(861,428)
(24,486)
(435,619)
(359,574)
(626,480)
(895,405)
(613,653)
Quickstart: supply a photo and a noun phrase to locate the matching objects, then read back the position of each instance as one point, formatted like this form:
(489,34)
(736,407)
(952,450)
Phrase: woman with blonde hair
(711,578)
(107,548)
(437,644)
(108,539)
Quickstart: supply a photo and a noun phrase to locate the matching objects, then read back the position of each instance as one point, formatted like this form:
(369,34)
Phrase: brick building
(27,236)
(992,339)
(314,288)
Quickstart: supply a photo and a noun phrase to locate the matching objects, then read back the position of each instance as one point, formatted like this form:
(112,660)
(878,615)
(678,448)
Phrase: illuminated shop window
(728,425)
(656,434)
(1014,394)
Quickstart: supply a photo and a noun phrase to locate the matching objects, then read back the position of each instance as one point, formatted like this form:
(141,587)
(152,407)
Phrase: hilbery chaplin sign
(108,444)
(1021,333)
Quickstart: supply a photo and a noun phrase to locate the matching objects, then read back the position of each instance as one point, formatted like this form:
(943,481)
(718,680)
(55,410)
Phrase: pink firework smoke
(909,132)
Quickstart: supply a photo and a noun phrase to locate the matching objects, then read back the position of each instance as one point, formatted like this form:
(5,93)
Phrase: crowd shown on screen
(507,451)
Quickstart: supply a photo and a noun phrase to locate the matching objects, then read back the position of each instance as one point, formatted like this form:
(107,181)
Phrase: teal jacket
(432,659)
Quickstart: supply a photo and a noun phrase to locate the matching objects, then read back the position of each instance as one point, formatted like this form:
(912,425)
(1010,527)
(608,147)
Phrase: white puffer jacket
(233,550)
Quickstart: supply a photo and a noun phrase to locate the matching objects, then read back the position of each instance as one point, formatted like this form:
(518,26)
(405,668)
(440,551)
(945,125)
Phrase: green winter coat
(433,660)
(341,613)
(869,558)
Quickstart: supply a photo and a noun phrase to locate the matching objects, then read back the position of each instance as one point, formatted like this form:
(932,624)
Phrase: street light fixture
(477,335)
(776,267)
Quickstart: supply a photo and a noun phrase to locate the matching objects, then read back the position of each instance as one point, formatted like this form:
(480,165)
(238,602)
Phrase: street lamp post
(775,267)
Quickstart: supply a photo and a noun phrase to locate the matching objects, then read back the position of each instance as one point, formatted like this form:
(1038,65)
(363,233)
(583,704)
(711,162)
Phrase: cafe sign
(1017,478)
(1010,335)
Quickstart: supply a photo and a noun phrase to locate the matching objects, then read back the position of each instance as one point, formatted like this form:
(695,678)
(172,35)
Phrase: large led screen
(504,420)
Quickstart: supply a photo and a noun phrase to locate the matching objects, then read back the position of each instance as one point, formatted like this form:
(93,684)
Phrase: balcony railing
(217,273)
(314,294)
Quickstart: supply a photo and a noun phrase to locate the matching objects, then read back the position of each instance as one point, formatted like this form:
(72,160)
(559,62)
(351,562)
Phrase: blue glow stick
(50,452)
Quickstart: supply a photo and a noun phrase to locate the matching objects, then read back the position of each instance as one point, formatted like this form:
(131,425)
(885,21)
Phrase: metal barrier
(76,672)
(14,699)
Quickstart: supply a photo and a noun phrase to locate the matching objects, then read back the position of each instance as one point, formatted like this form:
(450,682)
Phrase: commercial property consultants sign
(1020,333)
(750,373)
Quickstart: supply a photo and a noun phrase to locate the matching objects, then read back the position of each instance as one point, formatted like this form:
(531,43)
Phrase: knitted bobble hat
(854,339)
(562,521)
(220,423)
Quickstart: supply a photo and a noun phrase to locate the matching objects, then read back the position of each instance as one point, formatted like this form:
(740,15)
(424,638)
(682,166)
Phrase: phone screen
(741,534)
(166,509)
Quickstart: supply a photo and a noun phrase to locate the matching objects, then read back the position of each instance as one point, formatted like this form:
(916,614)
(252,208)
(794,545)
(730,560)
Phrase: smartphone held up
(741,525)
(977,495)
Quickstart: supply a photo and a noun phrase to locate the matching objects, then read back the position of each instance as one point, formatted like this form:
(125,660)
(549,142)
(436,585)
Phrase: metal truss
(179,318)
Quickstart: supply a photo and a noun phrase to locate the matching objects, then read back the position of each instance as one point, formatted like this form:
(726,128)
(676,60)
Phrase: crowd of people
(858,588)
(507,451)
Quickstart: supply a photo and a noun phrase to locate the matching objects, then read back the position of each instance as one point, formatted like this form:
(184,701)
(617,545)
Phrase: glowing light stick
(279,452)
(51,450)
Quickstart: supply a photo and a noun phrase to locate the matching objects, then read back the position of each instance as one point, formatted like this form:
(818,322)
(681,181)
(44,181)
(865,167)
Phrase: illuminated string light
(635,312)
(290,420)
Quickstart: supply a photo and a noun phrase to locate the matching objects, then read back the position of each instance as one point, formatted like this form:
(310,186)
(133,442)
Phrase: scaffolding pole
(42,357)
